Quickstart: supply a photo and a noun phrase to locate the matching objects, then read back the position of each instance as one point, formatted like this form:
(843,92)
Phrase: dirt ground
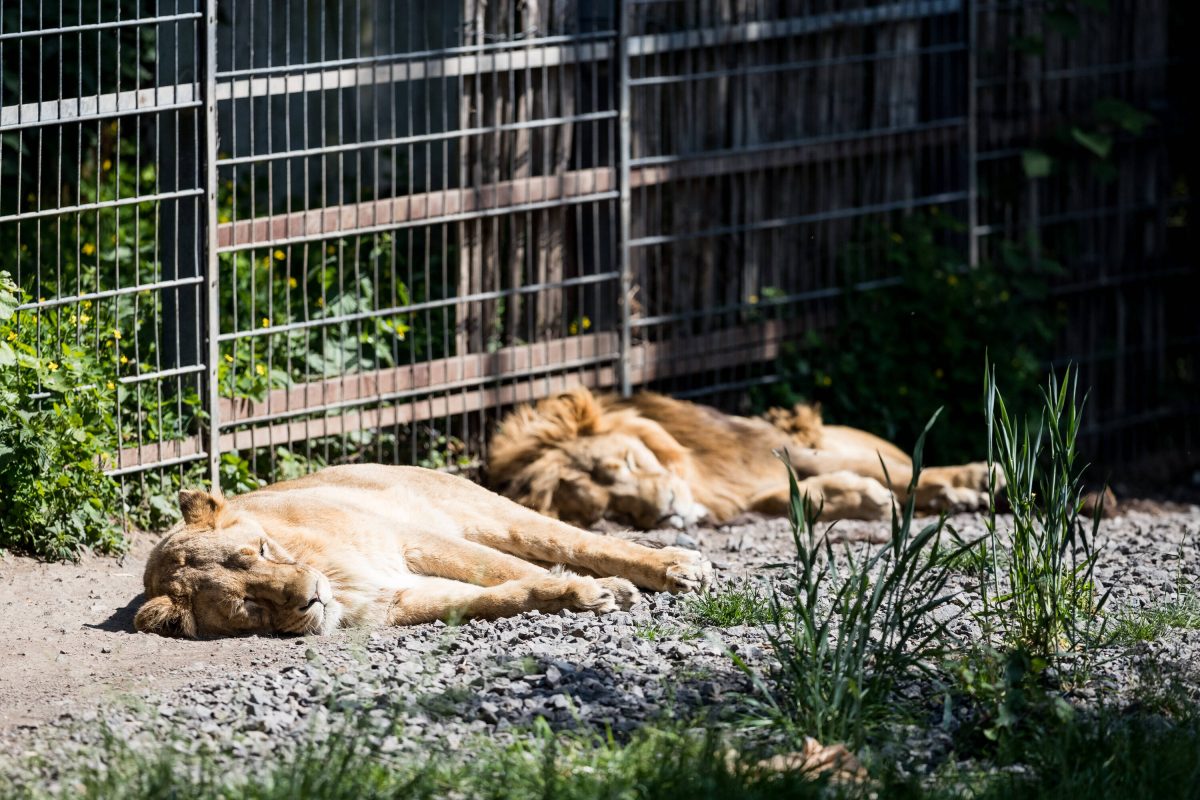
(69,642)
(69,638)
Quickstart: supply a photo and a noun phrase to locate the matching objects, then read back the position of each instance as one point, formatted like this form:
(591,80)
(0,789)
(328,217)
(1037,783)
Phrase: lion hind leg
(432,599)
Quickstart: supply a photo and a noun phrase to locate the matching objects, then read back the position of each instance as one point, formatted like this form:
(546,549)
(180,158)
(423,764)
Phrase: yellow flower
(12,336)
(573,328)
(223,218)
(903,390)
(937,373)
(897,238)
(753,299)
(279,255)
(266,322)
(124,359)
(111,385)
(52,366)
(587,323)
(291,283)
(107,165)
(84,319)
(88,248)
(229,358)
(71,319)
(260,369)
(330,250)
(1004,296)
(116,334)
(87,303)
(952,280)
(321,301)
(826,380)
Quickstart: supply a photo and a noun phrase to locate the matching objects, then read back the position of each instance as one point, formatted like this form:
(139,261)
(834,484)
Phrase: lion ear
(164,616)
(199,508)
(580,410)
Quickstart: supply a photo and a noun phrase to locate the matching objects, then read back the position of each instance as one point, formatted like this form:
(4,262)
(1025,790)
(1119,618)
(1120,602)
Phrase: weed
(1044,595)
(854,626)
(55,434)
(1149,623)
(733,603)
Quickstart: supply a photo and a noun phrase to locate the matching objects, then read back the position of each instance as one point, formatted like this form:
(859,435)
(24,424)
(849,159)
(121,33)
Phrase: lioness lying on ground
(381,545)
(649,460)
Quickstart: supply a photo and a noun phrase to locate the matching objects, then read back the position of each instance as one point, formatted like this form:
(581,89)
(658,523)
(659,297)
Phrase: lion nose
(316,598)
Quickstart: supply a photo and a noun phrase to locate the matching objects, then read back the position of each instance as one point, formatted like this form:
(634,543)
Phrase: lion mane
(718,466)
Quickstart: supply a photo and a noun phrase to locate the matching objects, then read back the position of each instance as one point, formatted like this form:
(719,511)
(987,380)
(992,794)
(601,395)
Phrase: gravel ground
(434,684)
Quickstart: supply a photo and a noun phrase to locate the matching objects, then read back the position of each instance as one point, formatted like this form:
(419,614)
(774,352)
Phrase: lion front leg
(432,599)
(534,537)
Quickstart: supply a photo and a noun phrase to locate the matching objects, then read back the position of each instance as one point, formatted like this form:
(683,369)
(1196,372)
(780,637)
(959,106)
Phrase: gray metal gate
(311,232)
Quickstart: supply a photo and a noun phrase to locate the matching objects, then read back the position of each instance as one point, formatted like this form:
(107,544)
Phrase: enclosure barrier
(318,232)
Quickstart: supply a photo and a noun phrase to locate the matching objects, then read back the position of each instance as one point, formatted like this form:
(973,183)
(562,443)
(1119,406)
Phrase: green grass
(854,624)
(1042,598)
(1147,624)
(732,603)
(654,764)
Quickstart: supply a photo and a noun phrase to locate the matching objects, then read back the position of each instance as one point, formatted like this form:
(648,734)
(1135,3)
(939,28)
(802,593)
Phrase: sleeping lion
(650,460)
(382,545)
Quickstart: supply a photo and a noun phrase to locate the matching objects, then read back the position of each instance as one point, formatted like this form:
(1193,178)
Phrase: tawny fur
(652,459)
(375,545)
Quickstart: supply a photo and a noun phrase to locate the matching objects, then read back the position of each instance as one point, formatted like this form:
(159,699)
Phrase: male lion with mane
(650,460)
(381,545)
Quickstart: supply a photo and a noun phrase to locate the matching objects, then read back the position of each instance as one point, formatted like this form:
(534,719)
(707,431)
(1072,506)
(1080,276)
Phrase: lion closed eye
(373,544)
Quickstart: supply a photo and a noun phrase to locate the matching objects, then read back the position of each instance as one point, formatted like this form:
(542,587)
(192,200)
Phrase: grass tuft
(854,625)
(1147,624)
(1042,599)
(733,603)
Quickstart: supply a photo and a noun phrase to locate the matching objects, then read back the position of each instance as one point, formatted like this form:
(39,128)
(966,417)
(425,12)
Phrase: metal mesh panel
(304,233)
(1112,207)
(421,221)
(102,207)
(807,125)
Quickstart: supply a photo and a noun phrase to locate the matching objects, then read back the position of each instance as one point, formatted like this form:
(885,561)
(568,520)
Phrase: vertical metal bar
(212,321)
(972,137)
(623,157)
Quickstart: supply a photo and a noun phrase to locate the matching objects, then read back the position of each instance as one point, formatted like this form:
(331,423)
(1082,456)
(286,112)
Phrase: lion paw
(975,476)
(686,571)
(624,592)
(957,499)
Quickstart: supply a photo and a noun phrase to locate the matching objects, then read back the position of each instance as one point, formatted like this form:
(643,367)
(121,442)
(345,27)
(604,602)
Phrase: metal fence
(301,233)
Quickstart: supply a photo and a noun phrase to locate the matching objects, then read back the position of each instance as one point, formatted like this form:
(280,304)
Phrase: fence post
(623,156)
(212,326)
(972,137)
(177,159)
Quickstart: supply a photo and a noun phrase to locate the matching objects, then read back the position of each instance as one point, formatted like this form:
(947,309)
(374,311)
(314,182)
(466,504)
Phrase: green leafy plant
(900,351)
(852,627)
(55,499)
(1043,598)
